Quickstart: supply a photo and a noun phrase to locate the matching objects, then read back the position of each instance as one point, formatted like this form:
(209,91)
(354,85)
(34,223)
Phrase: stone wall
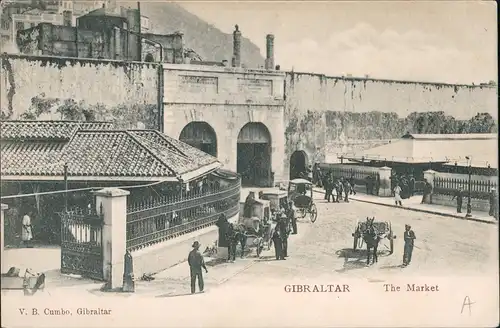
(53,88)
(322,109)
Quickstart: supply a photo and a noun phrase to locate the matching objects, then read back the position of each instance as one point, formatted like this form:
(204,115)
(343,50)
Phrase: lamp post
(469,171)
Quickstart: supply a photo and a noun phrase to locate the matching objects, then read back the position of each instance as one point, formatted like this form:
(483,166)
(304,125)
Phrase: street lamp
(469,169)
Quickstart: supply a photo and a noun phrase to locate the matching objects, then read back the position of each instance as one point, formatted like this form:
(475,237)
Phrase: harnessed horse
(372,238)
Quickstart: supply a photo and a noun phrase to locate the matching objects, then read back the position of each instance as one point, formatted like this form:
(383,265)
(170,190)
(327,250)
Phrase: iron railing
(449,186)
(153,221)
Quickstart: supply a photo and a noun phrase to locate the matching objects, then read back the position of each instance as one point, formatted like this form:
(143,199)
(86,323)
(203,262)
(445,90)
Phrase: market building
(43,156)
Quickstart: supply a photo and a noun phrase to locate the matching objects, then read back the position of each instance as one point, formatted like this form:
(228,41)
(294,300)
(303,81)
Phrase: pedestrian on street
(352,183)
(328,188)
(335,196)
(232,241)
(411,185)
(459,196)
(283,231)
(493,203)
(26,232)
(397,195)
(278,251)
(409,237)
(196,263)
(292,218)
(347,190)
(427,192)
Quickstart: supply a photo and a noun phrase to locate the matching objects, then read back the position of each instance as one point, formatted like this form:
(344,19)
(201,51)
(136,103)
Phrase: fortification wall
(38,87)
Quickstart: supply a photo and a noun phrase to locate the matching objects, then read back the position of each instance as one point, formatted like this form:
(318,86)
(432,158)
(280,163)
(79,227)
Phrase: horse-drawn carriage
(380,230)
(300,191)
(257,227)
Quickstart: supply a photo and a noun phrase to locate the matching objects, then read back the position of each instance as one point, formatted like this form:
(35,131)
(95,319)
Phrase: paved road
(444,246)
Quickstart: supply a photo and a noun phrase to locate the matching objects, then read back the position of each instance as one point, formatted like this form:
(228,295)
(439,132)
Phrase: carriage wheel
(355,242)
(313,212)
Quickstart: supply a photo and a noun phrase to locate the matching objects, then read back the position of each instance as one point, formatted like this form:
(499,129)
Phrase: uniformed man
(409,237)
(328,189)
(347,190)
(196,263)
(459,196)
(411,185)
(493,203)
(292,218)
(277,245)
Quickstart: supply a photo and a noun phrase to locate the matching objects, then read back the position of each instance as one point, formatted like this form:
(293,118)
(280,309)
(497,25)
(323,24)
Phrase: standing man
(459,196)
(232,241)
(278,251)
(292,218)
(409,237)
(347,190)
(369,185)
(328,188)
(427,191)
(352,182)
(283,228)
(26,232)
(411,185)
(493,203)
(196,263)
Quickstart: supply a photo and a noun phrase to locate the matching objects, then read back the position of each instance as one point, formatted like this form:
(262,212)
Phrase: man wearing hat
(196,263)
(291,217)
(493,203)
(409,237)
(459,196)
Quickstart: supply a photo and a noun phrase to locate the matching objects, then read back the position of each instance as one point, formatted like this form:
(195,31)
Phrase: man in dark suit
(459,196)
(409,237)
(196,263)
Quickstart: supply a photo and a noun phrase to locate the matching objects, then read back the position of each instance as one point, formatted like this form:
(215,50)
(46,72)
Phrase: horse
(371,239)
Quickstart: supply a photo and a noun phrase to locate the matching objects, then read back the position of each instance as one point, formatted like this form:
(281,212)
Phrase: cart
(384,229)
(300,191)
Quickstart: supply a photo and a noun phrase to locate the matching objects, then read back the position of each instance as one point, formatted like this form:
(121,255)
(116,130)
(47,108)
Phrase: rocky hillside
(205,39)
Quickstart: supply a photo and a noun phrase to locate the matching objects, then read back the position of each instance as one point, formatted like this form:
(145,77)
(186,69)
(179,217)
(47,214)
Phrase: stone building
(106,33)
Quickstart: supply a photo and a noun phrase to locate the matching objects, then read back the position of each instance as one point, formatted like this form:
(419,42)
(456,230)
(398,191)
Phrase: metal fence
(358,172)
(154,221)
(449,186)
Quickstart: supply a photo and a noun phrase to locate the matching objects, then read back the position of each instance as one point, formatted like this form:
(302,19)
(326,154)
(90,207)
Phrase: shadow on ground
(178,294)
(355,259)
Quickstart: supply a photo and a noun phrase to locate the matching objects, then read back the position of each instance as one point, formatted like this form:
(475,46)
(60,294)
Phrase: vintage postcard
(249,164)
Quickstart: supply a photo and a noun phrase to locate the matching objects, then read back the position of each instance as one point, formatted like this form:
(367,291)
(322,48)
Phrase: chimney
(67,18)
(236,47)
(269,51)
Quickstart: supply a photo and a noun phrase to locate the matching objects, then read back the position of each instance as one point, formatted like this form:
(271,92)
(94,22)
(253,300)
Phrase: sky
(435,41)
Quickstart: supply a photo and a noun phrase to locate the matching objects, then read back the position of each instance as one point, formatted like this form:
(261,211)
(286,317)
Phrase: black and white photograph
(249,164)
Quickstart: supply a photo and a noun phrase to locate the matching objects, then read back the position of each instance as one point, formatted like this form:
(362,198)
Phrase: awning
(189,176)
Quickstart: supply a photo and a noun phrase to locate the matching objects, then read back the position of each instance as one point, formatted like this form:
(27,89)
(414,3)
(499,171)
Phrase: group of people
(338,188)
(492,197)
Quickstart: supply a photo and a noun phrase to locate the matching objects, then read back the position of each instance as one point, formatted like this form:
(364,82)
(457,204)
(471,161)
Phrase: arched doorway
(254,155)
(200,135)
(298,164)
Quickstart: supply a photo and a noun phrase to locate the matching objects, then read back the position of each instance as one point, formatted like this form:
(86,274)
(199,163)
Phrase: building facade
(232,113)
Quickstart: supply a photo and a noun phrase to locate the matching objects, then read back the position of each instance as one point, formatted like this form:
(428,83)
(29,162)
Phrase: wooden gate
(81,243)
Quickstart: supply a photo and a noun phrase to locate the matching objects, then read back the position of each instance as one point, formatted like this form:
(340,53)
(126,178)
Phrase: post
(114,232)
(2,235)
(66,186)
(385,182)
(469,205)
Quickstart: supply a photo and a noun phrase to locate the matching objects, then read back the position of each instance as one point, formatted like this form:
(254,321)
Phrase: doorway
(254,155)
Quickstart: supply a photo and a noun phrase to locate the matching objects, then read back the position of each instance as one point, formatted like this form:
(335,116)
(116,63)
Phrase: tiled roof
(98,153)
(31,158)
(111,153)
(47,130)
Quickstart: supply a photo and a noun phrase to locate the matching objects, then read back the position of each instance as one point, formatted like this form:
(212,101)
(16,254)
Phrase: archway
(200,135)
(254,155)
(298,164)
